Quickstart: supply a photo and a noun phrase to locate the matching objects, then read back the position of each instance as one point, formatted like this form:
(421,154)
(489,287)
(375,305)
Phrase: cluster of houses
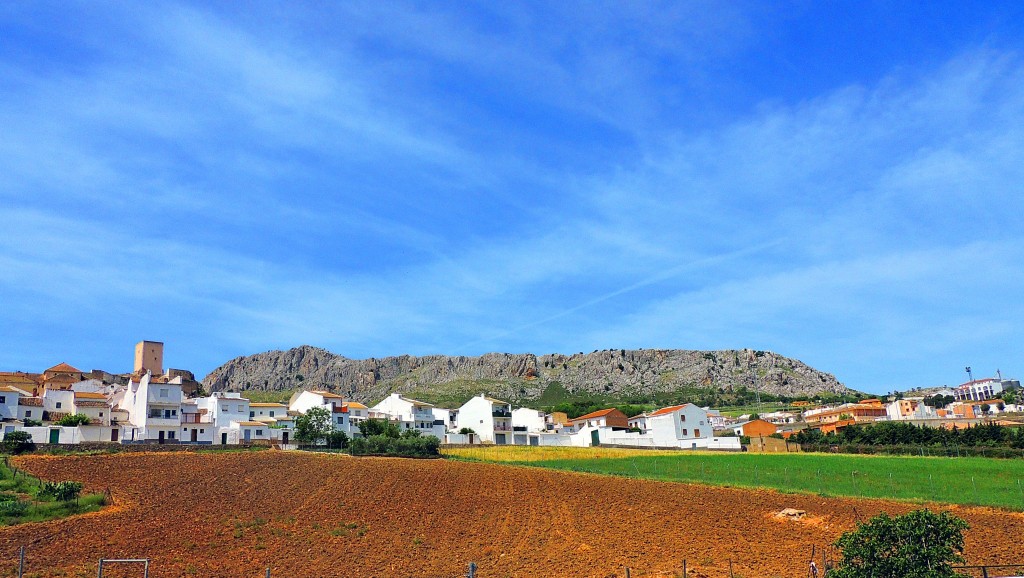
(152,405)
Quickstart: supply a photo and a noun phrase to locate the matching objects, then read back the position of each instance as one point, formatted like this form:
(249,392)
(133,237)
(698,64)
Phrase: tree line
(892,433)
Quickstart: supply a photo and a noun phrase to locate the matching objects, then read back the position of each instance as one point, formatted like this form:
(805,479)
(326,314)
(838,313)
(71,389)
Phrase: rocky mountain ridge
(619,373)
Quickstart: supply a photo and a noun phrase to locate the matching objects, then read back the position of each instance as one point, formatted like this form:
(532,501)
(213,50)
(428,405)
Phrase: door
(161,440)
(595,438)
(54,436)
(113,435)
(224,439)
(195,435)
(248,434)
(284,437)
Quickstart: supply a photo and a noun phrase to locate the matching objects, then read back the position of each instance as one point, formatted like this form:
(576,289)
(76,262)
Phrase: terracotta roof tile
(596,414)
(667,410)
(63,368)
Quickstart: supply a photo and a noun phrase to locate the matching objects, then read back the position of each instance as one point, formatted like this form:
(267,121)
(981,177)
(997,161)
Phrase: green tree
(984,408)
(379,427)
(314,426)
(920,544)
(74,420)
(18,442)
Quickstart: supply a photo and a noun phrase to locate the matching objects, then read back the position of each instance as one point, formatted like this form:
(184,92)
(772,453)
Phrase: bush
(920,544)
(74,420)
(410,446)
(61,491)
(337,439)
(13,508)
(18,442)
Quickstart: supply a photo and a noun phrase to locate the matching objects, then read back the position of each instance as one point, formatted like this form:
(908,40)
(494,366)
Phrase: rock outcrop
(619,373)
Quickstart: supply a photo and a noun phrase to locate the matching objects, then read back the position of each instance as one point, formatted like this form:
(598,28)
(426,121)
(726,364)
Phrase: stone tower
(149,355)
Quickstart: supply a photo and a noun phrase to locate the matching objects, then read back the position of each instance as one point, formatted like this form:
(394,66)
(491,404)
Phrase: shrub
(61,491)
(18,442)
(920,544)
(13,508)
(410,446)
(74,420)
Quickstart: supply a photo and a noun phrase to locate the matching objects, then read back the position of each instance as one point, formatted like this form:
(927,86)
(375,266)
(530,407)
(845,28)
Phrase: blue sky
(838,182)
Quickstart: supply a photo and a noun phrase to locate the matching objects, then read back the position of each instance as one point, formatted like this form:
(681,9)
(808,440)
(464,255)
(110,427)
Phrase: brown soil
(307,515)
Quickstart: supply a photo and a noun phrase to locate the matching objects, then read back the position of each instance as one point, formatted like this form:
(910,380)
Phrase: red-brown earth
(312,515)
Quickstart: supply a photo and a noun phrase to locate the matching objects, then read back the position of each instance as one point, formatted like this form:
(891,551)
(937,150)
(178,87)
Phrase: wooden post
(21,561)
(627,571)
(684,568)
(731,575)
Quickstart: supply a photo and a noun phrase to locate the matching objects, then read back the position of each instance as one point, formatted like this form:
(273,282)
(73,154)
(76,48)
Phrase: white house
(357,412)
(58,403)
(304,401)
(222,408)
(411,413)
(197,425)
(154,410)
(639,422)
(449,417)
(9,397)
(682,426)
(529,420)
(489,418)
(250,431)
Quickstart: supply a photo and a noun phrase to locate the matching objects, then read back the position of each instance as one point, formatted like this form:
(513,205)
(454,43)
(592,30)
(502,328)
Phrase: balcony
(501,413)
(502,428)
(193,418)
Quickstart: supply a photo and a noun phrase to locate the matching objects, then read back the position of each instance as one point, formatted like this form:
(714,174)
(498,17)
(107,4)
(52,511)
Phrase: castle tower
(149,355)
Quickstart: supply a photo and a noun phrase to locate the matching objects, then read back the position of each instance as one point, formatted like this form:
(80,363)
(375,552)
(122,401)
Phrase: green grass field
(21,500)
(967,481)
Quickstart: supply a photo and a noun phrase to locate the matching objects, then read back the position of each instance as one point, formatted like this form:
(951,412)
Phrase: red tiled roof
(63,368)
(595,414)
(31,401)
(667,410)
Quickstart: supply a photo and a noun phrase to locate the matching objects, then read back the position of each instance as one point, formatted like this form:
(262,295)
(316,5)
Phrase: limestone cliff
(618,373)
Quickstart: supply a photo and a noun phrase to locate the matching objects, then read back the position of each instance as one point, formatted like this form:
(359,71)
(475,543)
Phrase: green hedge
(381,445)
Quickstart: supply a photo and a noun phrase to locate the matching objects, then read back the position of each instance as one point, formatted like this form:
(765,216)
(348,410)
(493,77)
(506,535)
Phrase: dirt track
(309,515)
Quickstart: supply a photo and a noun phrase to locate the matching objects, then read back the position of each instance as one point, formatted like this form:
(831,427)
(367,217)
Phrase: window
(271,412)
(224,408)
(202,431)
(28,413)
(682,417)
(241,409)
(340,418)
(686,432)
(170,434)
(101,414)
(259,432)
(58,405)
(3,399)
(163,392)
(252,414)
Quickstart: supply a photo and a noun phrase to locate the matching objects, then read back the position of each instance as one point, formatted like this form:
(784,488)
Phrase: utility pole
(970,376)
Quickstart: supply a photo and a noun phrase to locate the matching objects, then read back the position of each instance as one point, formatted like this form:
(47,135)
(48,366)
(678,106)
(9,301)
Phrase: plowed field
(308,515)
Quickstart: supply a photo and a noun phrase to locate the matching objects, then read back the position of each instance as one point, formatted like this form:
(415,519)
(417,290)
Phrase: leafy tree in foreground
(314,425)
(920,544)
(18,442)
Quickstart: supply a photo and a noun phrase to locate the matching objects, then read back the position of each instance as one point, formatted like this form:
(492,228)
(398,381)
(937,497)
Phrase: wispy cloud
(440,179)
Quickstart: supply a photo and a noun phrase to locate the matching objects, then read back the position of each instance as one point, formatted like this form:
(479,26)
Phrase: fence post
(627,571)
(684,568)
(731,575)
(268,571)
(472,570)
(21,561)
